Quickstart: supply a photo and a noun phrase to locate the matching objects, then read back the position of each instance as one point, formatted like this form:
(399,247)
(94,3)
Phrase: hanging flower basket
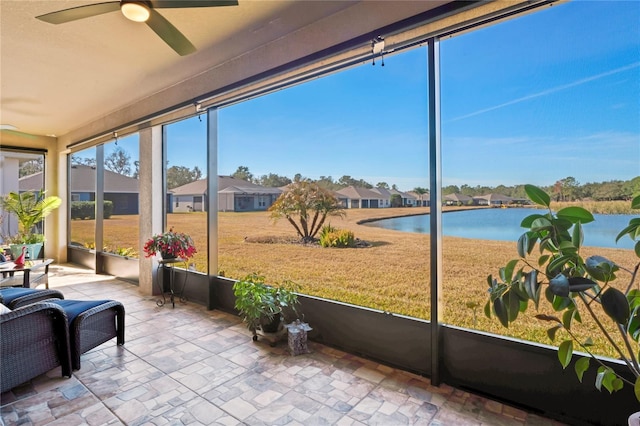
(167,256)
(170,245)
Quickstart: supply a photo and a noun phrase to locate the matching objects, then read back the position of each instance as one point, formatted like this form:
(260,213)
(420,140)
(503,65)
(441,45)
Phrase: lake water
(504,224)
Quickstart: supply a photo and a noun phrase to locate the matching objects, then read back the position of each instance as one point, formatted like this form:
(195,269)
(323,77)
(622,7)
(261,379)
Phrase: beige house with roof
(354,197)
(121,190)
(235,195)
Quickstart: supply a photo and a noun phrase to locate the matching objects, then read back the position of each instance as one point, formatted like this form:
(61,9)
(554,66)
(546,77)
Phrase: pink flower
(178,244)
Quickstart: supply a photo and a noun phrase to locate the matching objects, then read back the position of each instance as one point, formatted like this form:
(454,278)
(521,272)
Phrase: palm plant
(30,208)
(306,206)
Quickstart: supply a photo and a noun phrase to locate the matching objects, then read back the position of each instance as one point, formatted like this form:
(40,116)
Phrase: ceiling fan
(141,11)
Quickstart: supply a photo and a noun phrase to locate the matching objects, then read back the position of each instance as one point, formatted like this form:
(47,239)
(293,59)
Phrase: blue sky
(531,100)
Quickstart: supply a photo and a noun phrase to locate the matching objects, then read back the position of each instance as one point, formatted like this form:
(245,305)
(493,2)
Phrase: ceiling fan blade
(159,4)
(170,34)
(80,12)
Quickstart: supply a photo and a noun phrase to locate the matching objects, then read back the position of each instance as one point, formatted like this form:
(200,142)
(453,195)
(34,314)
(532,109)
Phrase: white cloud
(548,91)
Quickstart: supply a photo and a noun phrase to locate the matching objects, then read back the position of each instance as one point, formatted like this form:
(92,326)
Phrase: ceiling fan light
(135,11)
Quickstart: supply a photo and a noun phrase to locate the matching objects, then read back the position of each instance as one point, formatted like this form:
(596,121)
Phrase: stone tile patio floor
(192,366)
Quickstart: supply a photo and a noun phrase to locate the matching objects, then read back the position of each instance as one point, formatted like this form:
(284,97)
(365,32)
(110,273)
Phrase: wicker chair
(17,297)
(92,323)
(34,340)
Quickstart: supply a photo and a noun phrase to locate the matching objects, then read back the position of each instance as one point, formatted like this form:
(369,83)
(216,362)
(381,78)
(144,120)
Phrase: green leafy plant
(260,303)
(340,238)
(122,251)
(572,286)
(30,208)
(87,209)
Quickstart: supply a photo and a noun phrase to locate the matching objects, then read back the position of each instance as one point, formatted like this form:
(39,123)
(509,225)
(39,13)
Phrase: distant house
(121,190)
(457,199)
(421,200)
(353,197)
(492,200)
(190,197)
(234,195)
(408,200)
(385,196)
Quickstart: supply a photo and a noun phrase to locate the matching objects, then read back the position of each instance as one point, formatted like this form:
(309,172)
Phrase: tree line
(567,189)
(273,180)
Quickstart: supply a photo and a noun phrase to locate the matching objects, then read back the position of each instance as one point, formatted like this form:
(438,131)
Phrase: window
(82,183)
(121,219)
(562,115)
(186,168)
(20,171)
(349,132)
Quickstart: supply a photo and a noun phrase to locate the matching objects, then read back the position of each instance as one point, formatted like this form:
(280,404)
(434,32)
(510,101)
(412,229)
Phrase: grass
(392,275)
(599,207)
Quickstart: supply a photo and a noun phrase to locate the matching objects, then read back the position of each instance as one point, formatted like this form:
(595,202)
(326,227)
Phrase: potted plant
(263,308)
(573,287)
(170,245)
(30,208)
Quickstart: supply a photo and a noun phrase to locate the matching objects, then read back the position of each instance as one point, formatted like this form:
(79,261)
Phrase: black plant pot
(273,325)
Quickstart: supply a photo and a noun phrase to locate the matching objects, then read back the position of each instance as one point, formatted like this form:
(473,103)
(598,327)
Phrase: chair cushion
(73,308)
(10,294)
(4,309)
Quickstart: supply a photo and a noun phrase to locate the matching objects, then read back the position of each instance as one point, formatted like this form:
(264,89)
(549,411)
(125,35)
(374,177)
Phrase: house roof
(492,198)
(457,197)
(402,194)
(226,184)
(382,191)
(197,187)
(417,196)
(359,193)
(252,190)
(83,179)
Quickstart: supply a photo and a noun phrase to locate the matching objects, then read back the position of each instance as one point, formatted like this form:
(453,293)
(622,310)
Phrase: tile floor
(192,366)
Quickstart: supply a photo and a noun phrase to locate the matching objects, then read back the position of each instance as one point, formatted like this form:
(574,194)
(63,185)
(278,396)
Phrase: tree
(420,190)
(396,200)
(347,180)
(566,189)
(383,185)
(181,175)
(631,188)
(83,161)
(306,206)
(451,189)
(273,180)
(243,173)
(327,183)
(119,161)
(31,167)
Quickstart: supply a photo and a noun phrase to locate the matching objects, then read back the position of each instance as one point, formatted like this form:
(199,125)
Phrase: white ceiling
(55,79)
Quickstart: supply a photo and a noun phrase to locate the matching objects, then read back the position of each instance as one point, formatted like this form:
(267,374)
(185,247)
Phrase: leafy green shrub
(122,251)
(327,229)
(87,209)
(107,209)
(259,303)
(340,238)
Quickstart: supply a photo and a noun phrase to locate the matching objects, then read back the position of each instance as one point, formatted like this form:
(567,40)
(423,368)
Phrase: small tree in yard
(306,206)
